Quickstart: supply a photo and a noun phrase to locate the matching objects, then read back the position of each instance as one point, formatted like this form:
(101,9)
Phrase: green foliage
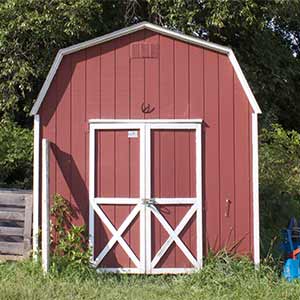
(15,155)
(69,241)
(222,277)
(31,32)
(62,212)
(279,180)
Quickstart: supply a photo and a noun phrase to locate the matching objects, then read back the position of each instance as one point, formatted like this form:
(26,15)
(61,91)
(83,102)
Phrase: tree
(31,32)
(264,34)
(279,181)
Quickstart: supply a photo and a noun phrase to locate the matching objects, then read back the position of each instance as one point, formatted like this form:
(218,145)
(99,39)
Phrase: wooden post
(45,206)
(27,225)
(36,187)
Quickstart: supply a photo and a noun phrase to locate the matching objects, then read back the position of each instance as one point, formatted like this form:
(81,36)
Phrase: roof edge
(244,83)
(132,29)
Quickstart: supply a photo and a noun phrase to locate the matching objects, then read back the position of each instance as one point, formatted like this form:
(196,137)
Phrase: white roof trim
(134,28)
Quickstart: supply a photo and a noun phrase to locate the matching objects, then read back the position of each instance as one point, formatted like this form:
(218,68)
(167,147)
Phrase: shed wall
(184,81)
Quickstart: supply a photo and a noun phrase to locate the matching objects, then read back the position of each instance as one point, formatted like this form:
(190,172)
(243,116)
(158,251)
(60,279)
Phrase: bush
(279,182)
(16,153)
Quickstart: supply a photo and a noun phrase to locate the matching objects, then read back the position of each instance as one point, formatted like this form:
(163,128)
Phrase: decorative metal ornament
(146,109)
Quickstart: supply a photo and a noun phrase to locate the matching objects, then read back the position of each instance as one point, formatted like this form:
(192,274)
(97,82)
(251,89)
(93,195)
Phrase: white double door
(145,196)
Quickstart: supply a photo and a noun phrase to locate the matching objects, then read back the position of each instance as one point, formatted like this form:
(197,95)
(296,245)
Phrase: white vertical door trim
(142,195)
(255,171)
(36,186)
(92,160)
(148,234)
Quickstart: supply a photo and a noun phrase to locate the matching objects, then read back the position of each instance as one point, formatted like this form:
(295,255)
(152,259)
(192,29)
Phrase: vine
(67,240)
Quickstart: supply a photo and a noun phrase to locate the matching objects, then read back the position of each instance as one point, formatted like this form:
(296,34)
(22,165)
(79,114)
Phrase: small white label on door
(132,134)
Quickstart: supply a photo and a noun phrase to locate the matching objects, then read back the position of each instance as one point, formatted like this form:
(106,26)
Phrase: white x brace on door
(147,207)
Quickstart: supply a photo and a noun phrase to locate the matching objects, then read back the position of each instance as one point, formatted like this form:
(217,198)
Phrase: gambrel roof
(161,30)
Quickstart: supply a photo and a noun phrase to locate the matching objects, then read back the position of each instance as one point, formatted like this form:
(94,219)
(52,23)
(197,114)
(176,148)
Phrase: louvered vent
(144,50)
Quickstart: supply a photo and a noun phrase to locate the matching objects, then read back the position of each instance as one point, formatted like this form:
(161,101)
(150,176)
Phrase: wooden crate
(15,225)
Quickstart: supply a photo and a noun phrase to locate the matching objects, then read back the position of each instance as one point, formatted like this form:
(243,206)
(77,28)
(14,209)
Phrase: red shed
(154,141)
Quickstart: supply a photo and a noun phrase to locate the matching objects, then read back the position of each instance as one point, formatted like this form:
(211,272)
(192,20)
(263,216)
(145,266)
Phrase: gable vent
(144,50)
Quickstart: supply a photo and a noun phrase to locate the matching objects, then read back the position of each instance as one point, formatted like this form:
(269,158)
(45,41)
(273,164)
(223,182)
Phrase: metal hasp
(148,202)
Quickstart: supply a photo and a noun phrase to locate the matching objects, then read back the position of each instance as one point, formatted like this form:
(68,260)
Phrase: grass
(221,278)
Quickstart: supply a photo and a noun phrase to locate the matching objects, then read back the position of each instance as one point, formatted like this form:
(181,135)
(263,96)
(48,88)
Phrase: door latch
(148,202)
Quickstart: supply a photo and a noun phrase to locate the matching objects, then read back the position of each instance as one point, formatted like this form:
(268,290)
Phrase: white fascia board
(187,38)
(47,83)
(132,29)
(244,83)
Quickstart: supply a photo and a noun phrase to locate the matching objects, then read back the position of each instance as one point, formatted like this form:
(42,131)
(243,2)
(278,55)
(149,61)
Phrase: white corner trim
(199,194)
(255,170)
(36,184)
(244,82)
(134,28)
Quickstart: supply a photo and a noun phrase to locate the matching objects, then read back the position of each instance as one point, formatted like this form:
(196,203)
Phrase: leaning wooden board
(15,224)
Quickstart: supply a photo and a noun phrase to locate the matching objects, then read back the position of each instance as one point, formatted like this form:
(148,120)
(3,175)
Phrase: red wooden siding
(152,78)
(227,162)
(212,151)
(242,170)
(183,81)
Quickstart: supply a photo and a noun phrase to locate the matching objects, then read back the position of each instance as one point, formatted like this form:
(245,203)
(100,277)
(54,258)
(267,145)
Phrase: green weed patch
(223,277)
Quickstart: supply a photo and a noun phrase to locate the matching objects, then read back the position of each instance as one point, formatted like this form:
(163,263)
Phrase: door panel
(117,257)
(117,194)
(174,257)
(117,164)
(173,166)
(173,174)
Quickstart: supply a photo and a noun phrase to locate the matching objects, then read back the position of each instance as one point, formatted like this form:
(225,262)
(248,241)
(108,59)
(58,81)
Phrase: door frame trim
(145,127)
(143,121)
